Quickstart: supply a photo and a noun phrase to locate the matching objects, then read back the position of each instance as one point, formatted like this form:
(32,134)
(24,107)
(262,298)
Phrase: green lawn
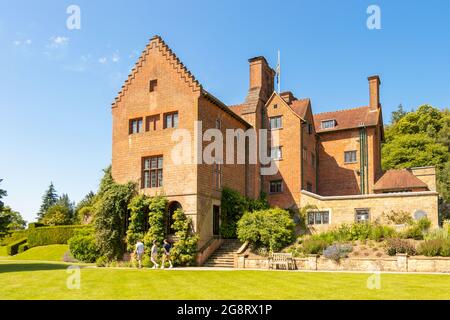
(3,251)
(39,280)
(54,252)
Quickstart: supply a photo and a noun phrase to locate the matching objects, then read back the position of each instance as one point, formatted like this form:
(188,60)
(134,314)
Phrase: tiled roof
(300,106)
(224,107)
(237,108)
(347,119)
(399,179)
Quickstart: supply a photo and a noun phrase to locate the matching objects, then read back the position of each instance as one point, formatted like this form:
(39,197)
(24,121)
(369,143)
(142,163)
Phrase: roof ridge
(301,99)
(157,42)
(341,110)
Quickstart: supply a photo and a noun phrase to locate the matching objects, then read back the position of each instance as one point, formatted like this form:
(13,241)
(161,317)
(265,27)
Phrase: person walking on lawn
(154,254)
(139,251)
(166,254)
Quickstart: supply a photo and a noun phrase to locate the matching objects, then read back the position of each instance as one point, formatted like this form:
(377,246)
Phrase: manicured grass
(3,251)
(54,252)
(35,280)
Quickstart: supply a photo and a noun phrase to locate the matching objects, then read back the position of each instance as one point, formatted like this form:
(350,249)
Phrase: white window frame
(317,211)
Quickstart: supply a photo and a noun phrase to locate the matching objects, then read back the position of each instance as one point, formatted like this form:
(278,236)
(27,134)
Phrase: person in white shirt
(139,251)
(154,254)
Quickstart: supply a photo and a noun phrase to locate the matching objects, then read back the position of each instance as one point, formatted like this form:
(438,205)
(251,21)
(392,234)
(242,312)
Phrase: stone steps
(223,257)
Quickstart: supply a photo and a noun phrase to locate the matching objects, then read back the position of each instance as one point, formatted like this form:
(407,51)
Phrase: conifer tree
(49,199)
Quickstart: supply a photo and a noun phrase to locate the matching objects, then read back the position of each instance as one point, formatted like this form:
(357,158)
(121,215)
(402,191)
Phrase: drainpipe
(361,160)
(363,150)
(301,154)
(367,160)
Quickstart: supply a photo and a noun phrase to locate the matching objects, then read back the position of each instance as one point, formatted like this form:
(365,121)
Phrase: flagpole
(279,73)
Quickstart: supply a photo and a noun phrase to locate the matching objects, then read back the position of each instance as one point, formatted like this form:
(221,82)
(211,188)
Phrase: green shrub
(439,233)
(435,247)
(51,235)
(417,229)
(395,245)
(157,227)
(111,212)
(296,251)
(233,207)
(360,231)
(272,228)
(184,249)
(313,246)
(83,245)
(102,261)
(22,248)
(356,231)
(445,249)
(380,232)
(139,208)
(13,248)
(329,237)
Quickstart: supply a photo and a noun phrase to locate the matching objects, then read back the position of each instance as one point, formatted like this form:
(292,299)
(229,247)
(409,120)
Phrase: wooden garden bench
(285,259)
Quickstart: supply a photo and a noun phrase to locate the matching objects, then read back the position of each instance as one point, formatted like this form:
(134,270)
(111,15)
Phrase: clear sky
(57,84)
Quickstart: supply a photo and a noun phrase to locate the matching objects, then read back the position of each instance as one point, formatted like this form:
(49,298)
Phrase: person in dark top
(166,254)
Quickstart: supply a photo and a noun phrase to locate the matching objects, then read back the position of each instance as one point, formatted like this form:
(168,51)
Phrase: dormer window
(327,124)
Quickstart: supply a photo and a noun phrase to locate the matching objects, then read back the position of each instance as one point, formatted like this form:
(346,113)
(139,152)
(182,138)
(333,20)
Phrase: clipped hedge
(12,237)
(52,235)
(22,248)
(13,248)
(34,225)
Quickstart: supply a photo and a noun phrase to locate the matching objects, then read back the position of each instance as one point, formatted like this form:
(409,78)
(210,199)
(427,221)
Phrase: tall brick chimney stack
(374,92)
(261,75)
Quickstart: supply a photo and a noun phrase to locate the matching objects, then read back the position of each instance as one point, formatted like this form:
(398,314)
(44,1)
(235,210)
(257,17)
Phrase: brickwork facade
(161,96)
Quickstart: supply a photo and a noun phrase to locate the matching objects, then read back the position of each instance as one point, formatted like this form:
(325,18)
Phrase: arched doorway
(173,206)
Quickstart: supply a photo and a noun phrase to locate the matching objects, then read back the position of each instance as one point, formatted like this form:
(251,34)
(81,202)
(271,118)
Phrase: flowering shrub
(337,251)
(394,246)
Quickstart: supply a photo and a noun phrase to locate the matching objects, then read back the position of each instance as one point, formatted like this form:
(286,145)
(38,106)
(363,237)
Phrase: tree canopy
(420,138)
(3,193)
(11,220)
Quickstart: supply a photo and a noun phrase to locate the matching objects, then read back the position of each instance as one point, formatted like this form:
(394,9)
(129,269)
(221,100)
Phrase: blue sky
(57,84)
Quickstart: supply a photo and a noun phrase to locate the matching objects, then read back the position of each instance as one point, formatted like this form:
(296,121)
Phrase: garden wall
(399,263)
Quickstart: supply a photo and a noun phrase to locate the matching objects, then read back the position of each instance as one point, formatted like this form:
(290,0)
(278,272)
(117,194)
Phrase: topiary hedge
(51,235)
(13,237)
(13,248)
(22,248)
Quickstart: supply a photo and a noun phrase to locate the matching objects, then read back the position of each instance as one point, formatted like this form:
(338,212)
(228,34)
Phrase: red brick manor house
(331,160)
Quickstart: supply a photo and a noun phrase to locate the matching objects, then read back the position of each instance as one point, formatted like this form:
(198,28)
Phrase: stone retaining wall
(399,263)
